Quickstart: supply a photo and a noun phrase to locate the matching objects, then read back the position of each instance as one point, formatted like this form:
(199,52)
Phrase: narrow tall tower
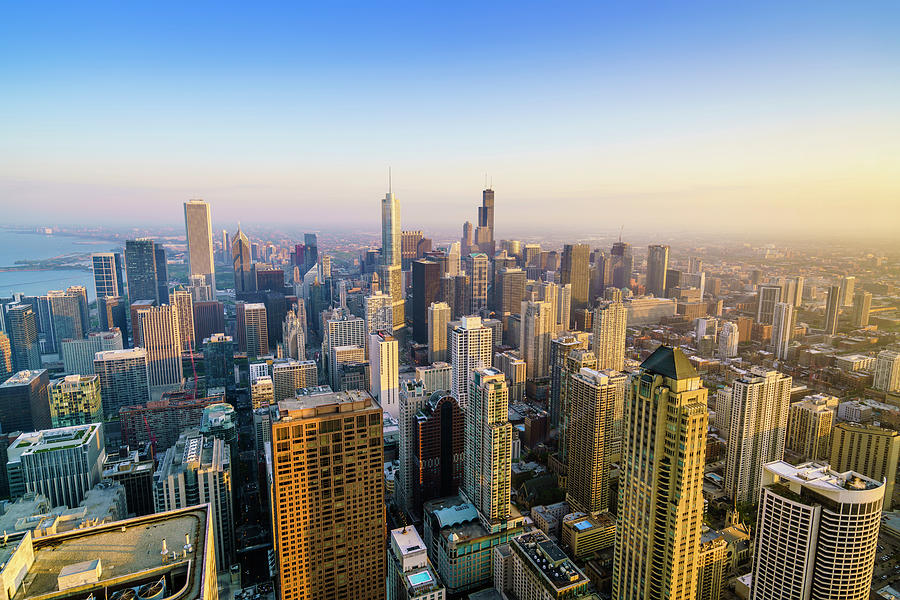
(657,263)
(658,533)
(198,229)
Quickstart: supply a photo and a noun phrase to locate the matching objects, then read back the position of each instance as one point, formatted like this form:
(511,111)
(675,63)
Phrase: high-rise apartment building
(426,276)
(21,327)
(536,331)
(6,357)
(816,533)
(198,229)
(290,375)
(241,262)
(384,372)
(758,418)
(161,338)
(471,346)
(592,398)
(832,309)
(391,250)
(767,296)
(438,320)
(341,332)
(477,270)
(124,379)
(729,337)
(575,270)
(657,264)
(610,319)
(887,371)
(782,329)
(75,400)
(108,280)
(809,426)
(862,304)
(24,402)
(488,448)
(256,329)
(182,302)
(197,470)
(868,449)
(848,288)
(559,350)
(438,450)
(509,290)
(379,312)
(660,516)
(262,392)
(328,516)
(435,377)
(413,395)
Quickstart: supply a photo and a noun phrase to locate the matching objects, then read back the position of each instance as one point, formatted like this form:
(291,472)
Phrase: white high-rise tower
(198,228)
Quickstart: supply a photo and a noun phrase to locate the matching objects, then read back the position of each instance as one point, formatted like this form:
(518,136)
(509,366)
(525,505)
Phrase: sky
(653,116)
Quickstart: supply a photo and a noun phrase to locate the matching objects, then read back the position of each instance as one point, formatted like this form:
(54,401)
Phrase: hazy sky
(718,115)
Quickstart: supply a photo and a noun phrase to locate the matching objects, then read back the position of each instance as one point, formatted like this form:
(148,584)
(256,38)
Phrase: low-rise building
(587,536)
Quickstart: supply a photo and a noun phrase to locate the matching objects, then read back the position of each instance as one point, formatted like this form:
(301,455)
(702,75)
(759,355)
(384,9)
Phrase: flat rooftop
(821,477)
(301,404)
(547,559)
(128,550)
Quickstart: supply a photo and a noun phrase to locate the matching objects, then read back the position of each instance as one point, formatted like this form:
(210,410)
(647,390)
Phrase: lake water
(29,246)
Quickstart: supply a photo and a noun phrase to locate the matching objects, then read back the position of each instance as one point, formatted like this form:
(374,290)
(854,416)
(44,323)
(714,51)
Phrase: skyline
(738,114)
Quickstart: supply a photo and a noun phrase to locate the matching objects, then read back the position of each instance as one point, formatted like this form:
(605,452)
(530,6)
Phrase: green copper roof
(669,362)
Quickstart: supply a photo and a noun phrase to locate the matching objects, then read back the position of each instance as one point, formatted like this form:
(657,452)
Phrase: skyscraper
(328,517)
(413,395)
(477,271)
(108,279)
(816,533)
(384,377)
(832,309)
(471,347)
(198,230)
(256,329)
(410,574)
(622,264)
(484,232)
(379,312)
(610,319)
(426,275)
(390,231)
(868,449)
(809,427)
(759,406)
(293,331)
(23,337)
(24,403)
(487,473)
(575,270)
(241,262)
(6,357)
(535,333)
(438,449)
(657,263)
(592,398)
(767,297)
(161,338)
(438,319)
(290,375)
(658,531)
(862,304)
(144,272)
(75,400)
(848,287)
(67,314)
(567,357)
(729,338)
(113,313)
(782,329)
(124,379)
(209,319)
(182,302)
(218,361)
(887,371)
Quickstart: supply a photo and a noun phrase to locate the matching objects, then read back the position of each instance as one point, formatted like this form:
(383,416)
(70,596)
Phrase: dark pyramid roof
(669,362)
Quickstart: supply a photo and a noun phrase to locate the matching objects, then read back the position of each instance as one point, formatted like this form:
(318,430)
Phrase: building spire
(390,182)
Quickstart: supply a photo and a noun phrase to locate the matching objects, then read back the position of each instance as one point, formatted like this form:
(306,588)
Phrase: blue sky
(615,112)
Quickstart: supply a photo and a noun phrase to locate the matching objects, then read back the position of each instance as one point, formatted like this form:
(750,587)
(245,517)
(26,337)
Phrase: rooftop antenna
(620,231)
(390,182)
(485,180)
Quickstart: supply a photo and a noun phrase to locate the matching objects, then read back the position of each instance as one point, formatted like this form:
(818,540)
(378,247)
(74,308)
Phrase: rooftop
(22,378)
(61,438)
(669,362)
(297,407)
(546,558)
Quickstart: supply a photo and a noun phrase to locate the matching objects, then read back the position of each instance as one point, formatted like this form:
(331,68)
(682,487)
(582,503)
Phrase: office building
(391,248)
(758,417)
(657,264)
(161,338)
(438,449)
(241,262)
(384,375)
(197,470)
(262,392)
(782,329)
(256,329)
(24,402)
(113,314)
(21,327)
(146,269)
(75,400)
(413,395)
(509,291)
(484,231)
(6,358)
(575,270)
(559,350)
(218,360)
(436,376)
(438,320)
(592,398)
(293,331)
(328,519)
(477,269)
(289,375)
(848,289)
(342,332)
(729,337)
(78,355)
(766,299)
(610,320)
(426,275)
(533,566)
(198,230)
(513,368)
(67,310)
(182,302)
(410,574)
(62,464)
(124,379)
(809,426)
(816,533)
(162,421)
(537,329)
(832,309)
(488,448)
(862,304)
(622,264)
(209,319)
(868,449)
(660,518)
(119,558)
(887,371)
(108,280)
(471,347)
